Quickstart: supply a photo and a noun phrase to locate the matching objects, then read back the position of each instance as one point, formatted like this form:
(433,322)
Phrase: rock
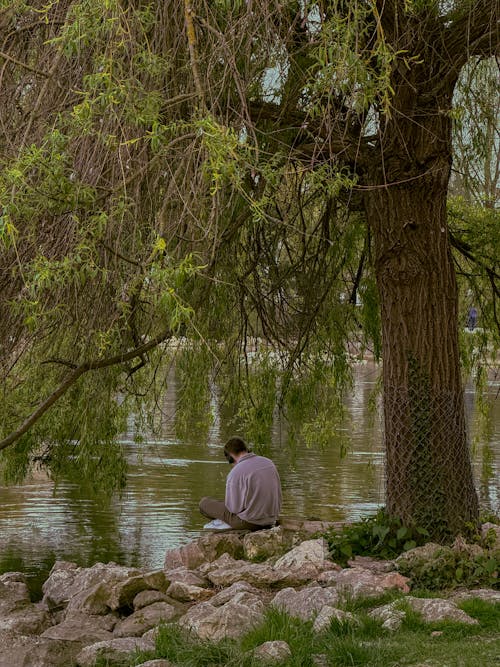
(464,548)
(271,653)
(391,617)
(146,598)
(123,593)
(30,619)
(84,629)
(357,582)
(309,554)
(491,533)
(216,544)
(306,528)
(231,620)
(206,548)
(486,594)
(185,576)
(190,556)
(327,614)
(186,593)
(229,593)
(431,610)
(304,604)
(160,662)
(23,651)
(112,650)
(260,574)
(427,552)
(372,564)
(13,595)
(320,660)
(67,580)
(224,561)
(438,609)
(157,580)
(142,620)
(248,599)
(262,544)
(59,582)
(93,601)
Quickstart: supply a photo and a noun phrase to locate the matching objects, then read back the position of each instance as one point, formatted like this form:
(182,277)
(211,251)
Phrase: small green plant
(450,567)
(380,536)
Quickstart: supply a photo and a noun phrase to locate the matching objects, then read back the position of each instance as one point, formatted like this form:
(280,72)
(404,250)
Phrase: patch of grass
(279,626)
(183,649)
(355,604)
(363,643)
(487,613)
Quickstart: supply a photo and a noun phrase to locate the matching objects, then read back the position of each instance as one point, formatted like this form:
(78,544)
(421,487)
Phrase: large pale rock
(30,619)
(146,598)
(185,576)
(306,528)
(372,564)
(157,580)
(262,544)
(309,554)
(438,609)
(186,593)
(327,614)
(491,533)
(427,552)
(306,603)
(113,650)
(224,561)
(391,617)
(486,594)
(84,629)
(206,548)
(272,653)
(260,574)
(431,610)
(229,593)
(29,651)
(93,601)
(59,582)
(142,620)
(123,593)
(357,582)
(14,594)
(231,620)
(67,580)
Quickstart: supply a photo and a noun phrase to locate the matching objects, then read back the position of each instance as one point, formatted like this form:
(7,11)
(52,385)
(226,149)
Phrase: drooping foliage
(201,170)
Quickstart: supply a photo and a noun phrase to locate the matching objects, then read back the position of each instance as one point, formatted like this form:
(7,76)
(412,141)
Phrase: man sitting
(253,491)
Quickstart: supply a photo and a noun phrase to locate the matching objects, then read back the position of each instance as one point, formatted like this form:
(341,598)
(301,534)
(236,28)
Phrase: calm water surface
(159,508)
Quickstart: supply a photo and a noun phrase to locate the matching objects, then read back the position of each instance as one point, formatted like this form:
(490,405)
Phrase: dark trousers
(215,509)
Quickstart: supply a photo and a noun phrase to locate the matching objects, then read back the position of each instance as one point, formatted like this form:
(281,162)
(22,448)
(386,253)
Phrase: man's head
(234,449)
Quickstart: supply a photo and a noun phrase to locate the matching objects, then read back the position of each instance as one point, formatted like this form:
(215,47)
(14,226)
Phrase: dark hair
(235,445)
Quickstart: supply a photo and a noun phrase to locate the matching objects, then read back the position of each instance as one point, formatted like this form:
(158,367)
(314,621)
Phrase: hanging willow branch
(70,380)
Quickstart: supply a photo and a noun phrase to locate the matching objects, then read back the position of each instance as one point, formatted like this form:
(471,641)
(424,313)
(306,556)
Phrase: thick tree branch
(70,380)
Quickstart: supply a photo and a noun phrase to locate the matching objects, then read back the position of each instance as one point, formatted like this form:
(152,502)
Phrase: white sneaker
(217,524)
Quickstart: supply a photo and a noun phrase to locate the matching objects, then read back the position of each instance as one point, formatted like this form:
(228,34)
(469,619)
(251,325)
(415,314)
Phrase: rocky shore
(218,586)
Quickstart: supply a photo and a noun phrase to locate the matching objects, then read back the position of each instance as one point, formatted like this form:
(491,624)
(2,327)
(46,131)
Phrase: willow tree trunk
(429,480)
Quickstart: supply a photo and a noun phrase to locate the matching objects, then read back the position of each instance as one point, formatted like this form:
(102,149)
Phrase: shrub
(380,536)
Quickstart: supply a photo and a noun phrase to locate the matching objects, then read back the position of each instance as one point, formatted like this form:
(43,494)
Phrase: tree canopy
(231,171)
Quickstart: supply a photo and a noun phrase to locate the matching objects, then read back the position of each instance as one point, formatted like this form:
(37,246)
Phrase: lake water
(159,508)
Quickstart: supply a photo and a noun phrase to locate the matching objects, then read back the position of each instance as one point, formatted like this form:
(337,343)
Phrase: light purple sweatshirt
(253,490)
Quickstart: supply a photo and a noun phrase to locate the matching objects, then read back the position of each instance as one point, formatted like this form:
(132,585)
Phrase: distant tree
(235,169)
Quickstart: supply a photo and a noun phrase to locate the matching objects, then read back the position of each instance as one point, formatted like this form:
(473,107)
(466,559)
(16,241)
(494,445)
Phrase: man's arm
(235,496)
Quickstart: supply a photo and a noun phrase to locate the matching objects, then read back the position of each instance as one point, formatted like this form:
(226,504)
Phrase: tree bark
(429,481)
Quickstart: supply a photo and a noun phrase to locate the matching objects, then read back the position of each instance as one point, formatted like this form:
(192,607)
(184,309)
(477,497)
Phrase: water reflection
(158,509)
